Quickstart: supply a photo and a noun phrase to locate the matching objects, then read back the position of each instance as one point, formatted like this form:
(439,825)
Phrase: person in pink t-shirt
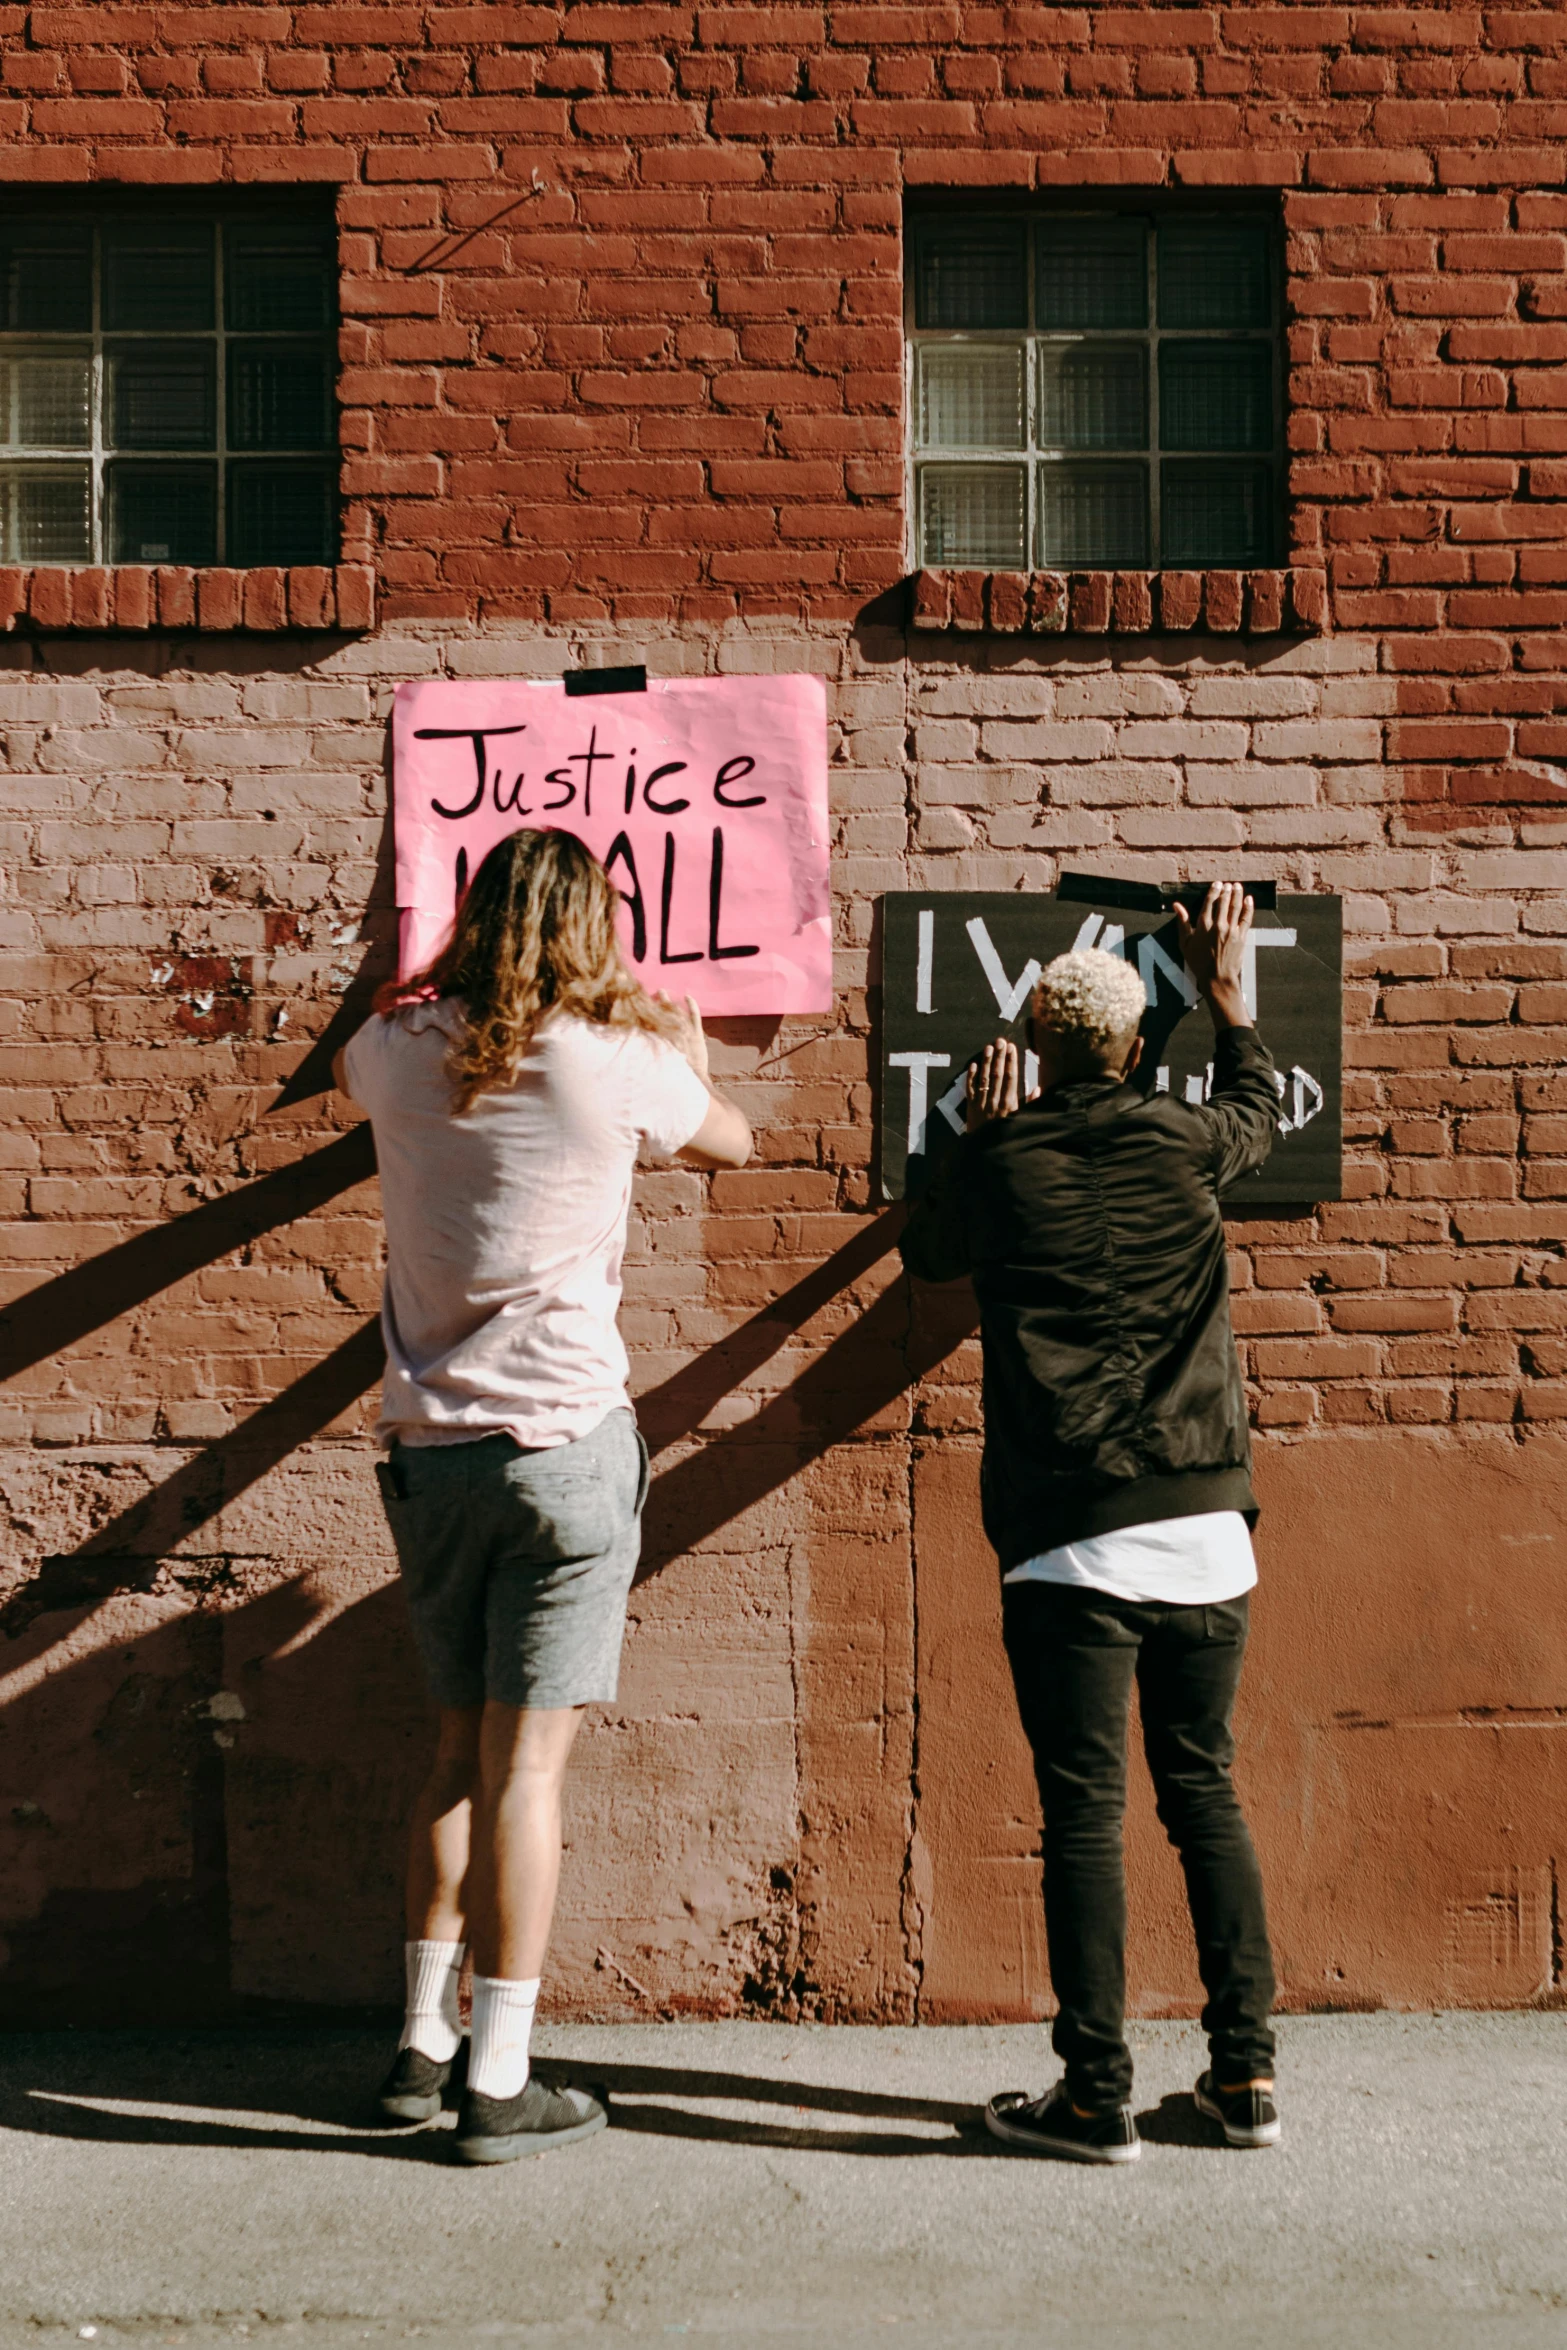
(511,1086)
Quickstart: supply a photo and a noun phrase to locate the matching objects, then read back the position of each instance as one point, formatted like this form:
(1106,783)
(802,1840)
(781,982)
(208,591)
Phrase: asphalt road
(765,2184)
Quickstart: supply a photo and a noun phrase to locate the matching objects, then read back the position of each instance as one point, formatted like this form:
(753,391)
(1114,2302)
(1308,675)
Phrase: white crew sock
(502,2028)
(432,2024)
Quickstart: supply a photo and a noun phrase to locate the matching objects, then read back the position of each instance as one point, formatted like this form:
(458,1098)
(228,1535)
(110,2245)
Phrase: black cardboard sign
(958,969)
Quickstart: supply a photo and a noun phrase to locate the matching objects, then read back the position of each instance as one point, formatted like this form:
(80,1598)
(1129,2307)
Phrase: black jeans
(1073,1654)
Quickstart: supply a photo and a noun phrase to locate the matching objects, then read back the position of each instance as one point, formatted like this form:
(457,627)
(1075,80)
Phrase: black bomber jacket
(1090,1224)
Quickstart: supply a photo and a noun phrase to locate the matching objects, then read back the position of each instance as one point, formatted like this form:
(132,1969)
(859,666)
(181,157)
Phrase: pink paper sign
(705,798)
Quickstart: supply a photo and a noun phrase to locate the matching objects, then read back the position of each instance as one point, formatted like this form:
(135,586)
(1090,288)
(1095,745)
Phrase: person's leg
(439,1834)
(515,1864)
(562,1531)
(1187,1678)
(513,1873)
(424,1490)
(437,1865)
(1073,1654)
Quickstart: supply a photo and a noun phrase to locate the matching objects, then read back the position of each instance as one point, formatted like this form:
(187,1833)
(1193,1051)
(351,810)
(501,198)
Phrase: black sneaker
(498,2129)
(1248,2117)
(412,2090)
(1053,2125)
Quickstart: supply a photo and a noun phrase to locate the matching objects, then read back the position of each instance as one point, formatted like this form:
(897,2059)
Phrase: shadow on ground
(56,2085)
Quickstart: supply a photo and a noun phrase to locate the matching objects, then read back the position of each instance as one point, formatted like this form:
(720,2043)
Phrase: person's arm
(994,1090)
(724,1137)
(340,1076)
(1242,1110)
(1215,949)
(935,1243)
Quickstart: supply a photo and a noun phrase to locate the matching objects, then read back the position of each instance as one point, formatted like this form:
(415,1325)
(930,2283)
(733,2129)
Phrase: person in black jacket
(1116,1489)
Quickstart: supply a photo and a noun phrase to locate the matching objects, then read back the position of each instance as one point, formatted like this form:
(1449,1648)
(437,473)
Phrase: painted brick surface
(623,377)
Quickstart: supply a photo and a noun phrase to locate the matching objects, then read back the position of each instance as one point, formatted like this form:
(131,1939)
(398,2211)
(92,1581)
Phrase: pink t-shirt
(506,1227)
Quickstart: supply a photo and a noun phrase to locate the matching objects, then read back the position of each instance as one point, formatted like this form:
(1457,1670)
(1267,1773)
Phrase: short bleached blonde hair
(1094,1002)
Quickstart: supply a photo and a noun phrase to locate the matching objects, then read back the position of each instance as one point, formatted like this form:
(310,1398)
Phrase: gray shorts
(517,1564)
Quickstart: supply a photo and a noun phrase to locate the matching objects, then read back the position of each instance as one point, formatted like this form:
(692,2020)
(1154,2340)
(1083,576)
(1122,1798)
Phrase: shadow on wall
(128,1757)
(320,1826)
(117,1716)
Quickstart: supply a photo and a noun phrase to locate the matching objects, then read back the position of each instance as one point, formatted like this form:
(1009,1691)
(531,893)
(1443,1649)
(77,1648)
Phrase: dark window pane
(162,396)
(46,278)
(972,274)
(158,275)
(278,279)
(973,514)
(1093,517)
(1217,513)
(1091,272)
(1093,396)
(1215,396)
(282,514)
(46,513)
(163,513)
(1214,272)
(971,396)
(280,396)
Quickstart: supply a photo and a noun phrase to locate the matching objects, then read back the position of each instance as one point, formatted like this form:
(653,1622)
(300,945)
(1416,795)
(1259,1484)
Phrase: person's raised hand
(689,1038)
(992,1084)
(1214,946)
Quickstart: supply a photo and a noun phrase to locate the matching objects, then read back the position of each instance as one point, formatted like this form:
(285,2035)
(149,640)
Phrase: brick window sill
(135,598)
(1121,603)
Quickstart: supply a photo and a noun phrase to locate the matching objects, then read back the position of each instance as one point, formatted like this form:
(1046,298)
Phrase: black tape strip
(630,680)
(1151,897)
(1133,897)
(1264,895)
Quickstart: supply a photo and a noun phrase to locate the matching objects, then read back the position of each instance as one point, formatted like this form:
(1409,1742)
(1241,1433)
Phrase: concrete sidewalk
(790,2186)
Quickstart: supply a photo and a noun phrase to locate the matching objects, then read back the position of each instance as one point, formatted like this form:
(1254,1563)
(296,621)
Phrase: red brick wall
(623,369)
(624,283)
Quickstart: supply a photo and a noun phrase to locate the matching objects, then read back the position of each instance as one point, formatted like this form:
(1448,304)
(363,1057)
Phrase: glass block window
(1096,390)
(167,386)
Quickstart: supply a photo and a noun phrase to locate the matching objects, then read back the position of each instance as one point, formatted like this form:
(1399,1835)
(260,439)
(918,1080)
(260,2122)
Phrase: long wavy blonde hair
(535,934)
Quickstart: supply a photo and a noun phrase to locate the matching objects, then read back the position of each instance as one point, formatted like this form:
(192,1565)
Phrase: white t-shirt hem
(1177,1562)
(541,1433)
